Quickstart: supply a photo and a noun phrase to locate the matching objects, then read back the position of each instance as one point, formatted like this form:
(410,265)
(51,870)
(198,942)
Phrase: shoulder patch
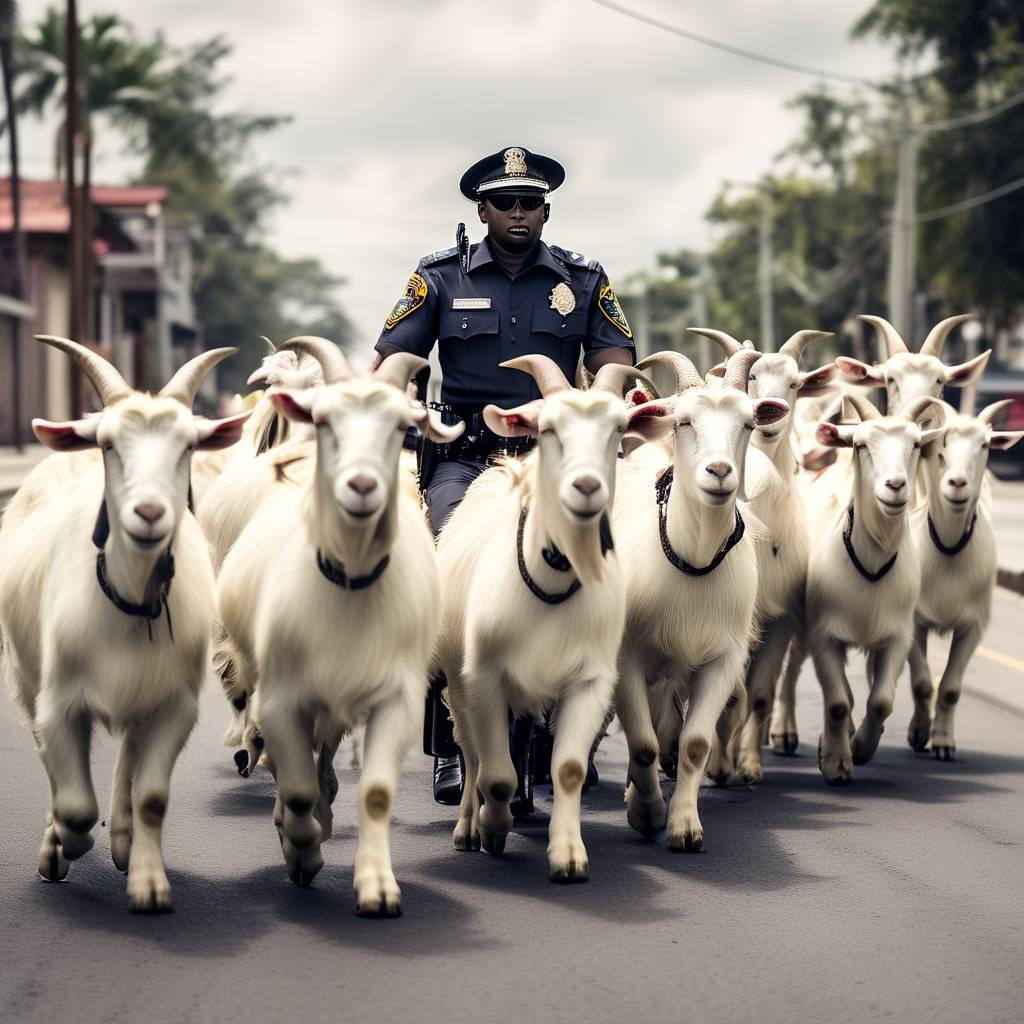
(569,255)
(439,257)
(609,306)
(414,297)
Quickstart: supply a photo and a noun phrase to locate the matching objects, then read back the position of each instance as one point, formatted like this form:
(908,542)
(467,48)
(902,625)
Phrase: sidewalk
(14,467)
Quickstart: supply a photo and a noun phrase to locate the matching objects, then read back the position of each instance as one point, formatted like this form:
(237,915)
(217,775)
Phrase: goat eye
(917,446)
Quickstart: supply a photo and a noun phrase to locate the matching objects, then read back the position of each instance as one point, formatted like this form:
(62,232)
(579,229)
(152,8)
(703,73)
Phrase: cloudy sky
(393,99)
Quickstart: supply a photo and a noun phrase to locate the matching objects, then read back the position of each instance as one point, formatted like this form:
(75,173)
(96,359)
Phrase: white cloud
(393,100)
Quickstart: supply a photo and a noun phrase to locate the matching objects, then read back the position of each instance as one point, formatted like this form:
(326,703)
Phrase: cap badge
(515,161)
(562,299)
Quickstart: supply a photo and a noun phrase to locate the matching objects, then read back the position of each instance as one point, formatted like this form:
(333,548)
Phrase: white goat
(534,603)
(864,577)
(329,599)
(692,584)
(106,605)
(905,374)
(957,547)
(782,553)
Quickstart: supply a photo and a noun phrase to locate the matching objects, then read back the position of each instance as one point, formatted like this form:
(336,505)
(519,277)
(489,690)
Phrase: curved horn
(686,373)
(615,377)
(894,344)
(270,344)
(185,383)
(546,372)
(932,345)
(109,384)
(399,368)
(586,379)
(916,406)
(794,348)
(727,342)
(990,413)
(738,367)
(865,409)
(326,353)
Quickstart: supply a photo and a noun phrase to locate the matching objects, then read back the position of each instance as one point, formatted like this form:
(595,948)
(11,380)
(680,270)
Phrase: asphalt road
(898,898)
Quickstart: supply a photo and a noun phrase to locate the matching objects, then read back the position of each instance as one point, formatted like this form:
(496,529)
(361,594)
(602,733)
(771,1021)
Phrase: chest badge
(562,299)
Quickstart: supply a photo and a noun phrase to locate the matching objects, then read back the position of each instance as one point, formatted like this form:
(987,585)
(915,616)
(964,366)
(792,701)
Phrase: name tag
(471,303)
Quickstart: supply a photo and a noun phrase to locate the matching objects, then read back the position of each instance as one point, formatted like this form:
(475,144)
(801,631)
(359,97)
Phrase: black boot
(448,778)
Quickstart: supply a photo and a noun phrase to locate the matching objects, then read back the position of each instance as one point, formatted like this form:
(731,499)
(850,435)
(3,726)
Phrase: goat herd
(651,555)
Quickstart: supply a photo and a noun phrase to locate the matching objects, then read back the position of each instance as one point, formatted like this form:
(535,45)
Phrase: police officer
(507,296)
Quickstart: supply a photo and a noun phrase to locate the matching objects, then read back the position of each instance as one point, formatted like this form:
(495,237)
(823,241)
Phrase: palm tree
(19,280)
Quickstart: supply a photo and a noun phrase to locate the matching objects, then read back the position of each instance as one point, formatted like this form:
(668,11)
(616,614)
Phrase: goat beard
(583,544)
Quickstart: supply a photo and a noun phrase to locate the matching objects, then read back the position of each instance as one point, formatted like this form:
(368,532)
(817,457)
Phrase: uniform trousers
(448,488)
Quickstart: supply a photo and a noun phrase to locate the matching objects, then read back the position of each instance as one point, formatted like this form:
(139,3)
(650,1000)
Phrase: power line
(737,51)
(968,119)
(970,204)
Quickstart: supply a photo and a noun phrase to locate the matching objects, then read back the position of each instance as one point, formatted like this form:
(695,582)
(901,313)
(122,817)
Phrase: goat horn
(545,371)
(586,379)
(893,342)
(738,367)
(991,412)
(865,410)
(109,384)
(326,353)
(686,373)
(270,344)
(932,345)
(185,382)
(399,368)
(794,347)
(847,412)
(916,406)
(727,342)
(614,378)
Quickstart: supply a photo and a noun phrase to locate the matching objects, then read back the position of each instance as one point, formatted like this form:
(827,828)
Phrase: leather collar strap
(871,577)
(164,572)
(529,580)
(337,575)
(964,540)
(662,490)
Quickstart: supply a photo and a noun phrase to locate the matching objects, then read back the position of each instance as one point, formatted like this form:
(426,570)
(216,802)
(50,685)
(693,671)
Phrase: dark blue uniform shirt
(556,305)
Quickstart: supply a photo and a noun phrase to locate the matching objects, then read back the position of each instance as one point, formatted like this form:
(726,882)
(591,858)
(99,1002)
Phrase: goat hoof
(944,751)
(720,777)
(150,895)
(918,739)
(567,874)
(384,905)
(493,842)
(785,743)
(242,763)
(303,875)
(52,866)
(465,839)
(669,765)
(688,842)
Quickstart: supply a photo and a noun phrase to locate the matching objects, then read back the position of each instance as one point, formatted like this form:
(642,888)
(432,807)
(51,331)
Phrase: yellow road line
(1001,659)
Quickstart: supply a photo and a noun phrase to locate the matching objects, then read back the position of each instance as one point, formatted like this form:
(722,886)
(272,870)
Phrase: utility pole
(766,270)
(75,251)
(904,213)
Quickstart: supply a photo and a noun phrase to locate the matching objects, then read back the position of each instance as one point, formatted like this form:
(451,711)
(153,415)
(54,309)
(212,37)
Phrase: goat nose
(362,483)
(720,468)
(958,481)
(586,484)
(896,483)
(151,511)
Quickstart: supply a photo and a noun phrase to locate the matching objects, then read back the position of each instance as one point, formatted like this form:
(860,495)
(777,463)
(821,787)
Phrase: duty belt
(478,442)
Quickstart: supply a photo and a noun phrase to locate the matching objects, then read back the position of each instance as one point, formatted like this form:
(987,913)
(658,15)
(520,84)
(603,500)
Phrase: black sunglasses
(507,203)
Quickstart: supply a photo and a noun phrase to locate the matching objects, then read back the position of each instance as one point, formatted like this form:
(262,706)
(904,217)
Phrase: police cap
(512,170)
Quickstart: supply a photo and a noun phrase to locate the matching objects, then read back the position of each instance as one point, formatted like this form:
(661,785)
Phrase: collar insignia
(562,299)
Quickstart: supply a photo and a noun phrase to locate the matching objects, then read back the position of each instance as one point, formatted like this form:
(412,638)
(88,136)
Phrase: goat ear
(856,372)
(518,422)
(1000,440)
(769,410)
(216,434)
(718,370)
(69,436)
(832,436)
(431,427)
(650,420)
(815,382)
(630,443)
(967,373)
(296,405)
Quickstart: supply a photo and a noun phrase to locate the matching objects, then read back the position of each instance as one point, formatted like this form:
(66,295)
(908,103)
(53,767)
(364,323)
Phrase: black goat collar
(662,490)
(871,577)
(164,572)
(964,540)
(337,575)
